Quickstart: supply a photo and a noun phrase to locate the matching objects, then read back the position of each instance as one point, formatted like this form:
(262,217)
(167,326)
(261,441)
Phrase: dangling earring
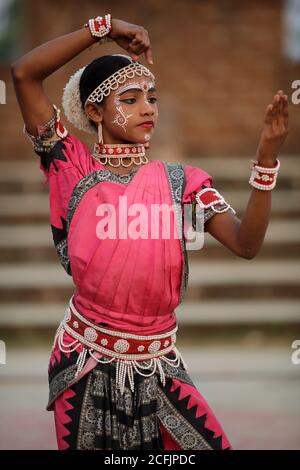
(100,136)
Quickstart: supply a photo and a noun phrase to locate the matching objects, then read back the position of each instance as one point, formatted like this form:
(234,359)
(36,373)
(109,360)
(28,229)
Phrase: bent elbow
(248,254)
(17,71)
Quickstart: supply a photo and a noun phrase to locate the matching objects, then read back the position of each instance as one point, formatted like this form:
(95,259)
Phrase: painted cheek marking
(121,118)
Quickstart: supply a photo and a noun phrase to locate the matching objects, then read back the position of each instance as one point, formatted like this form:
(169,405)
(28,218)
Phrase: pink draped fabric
(124,283)
(130,284)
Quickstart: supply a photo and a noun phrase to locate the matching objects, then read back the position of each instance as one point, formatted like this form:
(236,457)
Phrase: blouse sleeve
(199,190)
(64,160)
(58,149)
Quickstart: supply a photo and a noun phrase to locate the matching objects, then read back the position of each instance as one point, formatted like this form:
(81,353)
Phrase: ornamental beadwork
(67,315)
(104,342)
(117,78)
(265,178)
(141,348)
(75,324)
(121,346)
(209,197)
(90,334)
(52,132)
(268,176)
(154,347)
(166,343)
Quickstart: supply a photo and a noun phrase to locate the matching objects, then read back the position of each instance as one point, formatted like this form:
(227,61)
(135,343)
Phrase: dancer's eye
(134,99)
(129,100)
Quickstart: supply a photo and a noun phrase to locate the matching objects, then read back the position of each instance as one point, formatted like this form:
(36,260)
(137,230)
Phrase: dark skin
(243,237)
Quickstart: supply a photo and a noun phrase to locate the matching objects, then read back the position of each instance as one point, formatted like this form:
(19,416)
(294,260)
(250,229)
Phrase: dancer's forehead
(138,84)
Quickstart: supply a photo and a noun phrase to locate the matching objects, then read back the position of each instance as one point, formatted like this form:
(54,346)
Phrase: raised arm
(33,68)
(245,237)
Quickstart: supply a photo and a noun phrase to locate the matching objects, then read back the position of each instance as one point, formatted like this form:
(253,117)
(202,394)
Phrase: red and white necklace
(114,154)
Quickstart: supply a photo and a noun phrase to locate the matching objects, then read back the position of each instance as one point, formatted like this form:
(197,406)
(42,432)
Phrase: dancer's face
(125,108)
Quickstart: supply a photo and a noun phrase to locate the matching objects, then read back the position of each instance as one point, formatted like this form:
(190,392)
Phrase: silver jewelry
(100,135)
(218,199)
(117,78)
(103,30)
(264,174)
(144,364)
(111,153)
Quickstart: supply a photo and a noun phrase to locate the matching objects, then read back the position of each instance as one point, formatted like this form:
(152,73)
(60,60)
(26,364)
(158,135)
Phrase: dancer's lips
(147,124)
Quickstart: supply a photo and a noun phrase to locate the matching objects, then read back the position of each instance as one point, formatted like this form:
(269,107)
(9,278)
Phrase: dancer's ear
(95,111)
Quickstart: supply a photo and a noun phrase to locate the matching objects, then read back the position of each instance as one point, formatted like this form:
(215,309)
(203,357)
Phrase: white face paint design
(121,118)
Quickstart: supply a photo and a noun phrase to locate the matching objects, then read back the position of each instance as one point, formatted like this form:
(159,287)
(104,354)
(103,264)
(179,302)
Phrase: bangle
(100,27)
(264,178)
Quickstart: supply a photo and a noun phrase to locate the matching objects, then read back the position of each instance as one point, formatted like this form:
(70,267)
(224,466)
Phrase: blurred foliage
(11,30)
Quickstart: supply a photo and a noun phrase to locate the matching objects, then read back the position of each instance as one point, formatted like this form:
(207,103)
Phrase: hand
(275,129)
(134,39)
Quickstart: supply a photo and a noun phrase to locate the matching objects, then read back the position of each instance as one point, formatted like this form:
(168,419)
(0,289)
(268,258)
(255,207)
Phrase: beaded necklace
(111,153)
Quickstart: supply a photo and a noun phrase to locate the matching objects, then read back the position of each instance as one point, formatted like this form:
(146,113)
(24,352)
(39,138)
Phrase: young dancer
(116,378)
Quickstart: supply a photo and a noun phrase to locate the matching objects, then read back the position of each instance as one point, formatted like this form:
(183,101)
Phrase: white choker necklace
(111,153)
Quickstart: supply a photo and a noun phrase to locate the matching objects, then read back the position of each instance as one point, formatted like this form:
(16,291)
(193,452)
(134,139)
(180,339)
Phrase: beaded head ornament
(93,82)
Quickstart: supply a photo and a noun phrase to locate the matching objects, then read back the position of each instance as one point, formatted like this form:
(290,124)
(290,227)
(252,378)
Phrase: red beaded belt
(115,343)
(131,352)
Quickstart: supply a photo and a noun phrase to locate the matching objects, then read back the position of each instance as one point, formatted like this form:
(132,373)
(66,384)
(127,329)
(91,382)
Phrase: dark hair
(96,72)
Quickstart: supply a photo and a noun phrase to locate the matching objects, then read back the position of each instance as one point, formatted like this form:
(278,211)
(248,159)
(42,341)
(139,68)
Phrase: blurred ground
(253,391)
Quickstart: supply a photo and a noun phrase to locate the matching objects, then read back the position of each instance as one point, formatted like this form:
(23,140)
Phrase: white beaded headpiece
(71,94)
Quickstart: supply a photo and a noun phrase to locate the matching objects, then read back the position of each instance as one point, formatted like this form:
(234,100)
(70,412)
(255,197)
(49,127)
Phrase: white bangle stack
(264,178)
(100,27)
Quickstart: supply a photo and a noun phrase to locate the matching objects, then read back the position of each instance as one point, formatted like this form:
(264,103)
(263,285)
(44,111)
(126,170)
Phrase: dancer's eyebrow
(137,89)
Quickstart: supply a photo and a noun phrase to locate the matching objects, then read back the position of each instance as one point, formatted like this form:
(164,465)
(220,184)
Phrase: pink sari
(131,285)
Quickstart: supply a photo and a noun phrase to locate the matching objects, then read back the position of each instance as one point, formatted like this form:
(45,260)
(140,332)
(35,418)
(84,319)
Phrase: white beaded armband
(212,202)
(49,133)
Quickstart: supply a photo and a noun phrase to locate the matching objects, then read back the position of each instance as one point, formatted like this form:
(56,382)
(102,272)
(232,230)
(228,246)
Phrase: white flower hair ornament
(72,106)
(71,101)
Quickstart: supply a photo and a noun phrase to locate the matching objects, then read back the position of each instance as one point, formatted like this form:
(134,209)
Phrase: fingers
(269,114)
(282,113)
(285,111)
(276,106)
(277,112)
(148,54)
(139,44)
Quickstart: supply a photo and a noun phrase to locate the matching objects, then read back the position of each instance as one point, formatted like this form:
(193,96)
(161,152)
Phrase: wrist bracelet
(264,178)
(100,27)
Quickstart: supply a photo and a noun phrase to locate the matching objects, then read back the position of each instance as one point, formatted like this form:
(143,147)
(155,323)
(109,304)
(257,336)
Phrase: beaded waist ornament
(128,350)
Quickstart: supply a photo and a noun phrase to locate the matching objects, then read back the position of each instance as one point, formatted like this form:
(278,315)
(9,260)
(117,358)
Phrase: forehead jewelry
(117,78)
